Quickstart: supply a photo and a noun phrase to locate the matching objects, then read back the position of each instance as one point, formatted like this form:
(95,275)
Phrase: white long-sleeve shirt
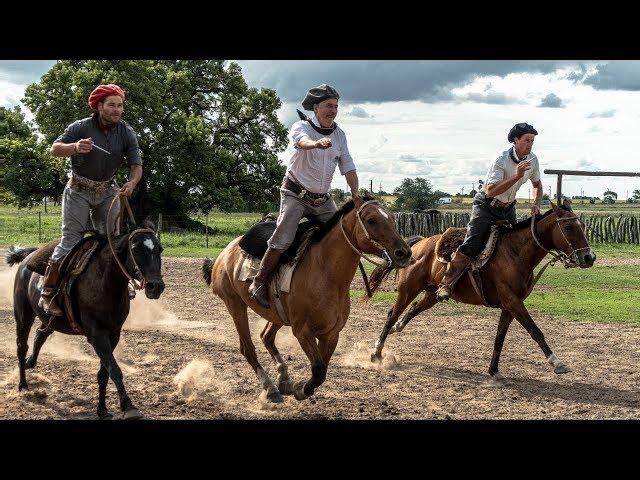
(314,168)
(504,167)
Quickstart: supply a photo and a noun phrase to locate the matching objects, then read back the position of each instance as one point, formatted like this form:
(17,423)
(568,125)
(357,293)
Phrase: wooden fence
(600,228)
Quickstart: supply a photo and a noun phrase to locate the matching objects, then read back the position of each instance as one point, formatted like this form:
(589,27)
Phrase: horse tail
(375,280)
(411,241)
(16,254)
(207,265)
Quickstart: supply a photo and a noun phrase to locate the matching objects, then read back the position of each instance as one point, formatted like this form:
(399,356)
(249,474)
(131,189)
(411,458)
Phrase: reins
(139,285)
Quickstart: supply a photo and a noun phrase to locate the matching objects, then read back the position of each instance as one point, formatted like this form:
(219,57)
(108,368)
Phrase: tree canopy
(207,139)
(27,172)
(415,193)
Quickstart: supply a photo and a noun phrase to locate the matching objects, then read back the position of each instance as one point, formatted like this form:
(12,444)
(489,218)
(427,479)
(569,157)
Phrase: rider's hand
(323,143)
(522,168)
(127,188)
(84,146)
(535,210)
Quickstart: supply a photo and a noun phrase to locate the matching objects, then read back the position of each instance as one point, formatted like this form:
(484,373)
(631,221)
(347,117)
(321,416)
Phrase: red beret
(103,91)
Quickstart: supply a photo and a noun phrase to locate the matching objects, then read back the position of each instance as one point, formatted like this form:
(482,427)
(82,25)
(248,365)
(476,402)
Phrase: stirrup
(254,296)
(443,293)
(45,304)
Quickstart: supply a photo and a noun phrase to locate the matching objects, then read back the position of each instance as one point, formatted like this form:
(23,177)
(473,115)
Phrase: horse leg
(307,340)
(103,379)
(503,326)
(268,336)
(521,314)
(404,298)
(428,301)
(24,320)
(103,344)
(42,334)
(238,310)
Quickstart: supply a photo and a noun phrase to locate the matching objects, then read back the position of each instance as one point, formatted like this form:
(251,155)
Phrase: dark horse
(317,305)
(507,279)
(101,303)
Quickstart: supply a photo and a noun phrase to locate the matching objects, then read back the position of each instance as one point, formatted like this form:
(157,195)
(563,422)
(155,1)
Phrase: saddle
(74,263)
(254,244)
(452,238)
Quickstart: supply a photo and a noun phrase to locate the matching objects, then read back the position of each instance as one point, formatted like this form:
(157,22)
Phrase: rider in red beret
(97,146)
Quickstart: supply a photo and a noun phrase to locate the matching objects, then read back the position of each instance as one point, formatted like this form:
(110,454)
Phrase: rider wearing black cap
(498,200)
(320,146)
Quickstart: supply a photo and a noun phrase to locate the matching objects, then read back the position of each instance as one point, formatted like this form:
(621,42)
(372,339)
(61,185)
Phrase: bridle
(570,260)
(385,255)
(137,284)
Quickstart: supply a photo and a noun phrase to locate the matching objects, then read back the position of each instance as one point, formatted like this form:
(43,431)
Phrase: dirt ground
(181,360)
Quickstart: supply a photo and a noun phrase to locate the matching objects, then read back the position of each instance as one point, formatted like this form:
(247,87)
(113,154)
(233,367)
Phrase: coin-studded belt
(80,183)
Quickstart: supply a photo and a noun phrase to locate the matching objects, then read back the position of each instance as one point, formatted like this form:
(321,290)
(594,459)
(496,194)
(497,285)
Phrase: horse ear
(553,206)
(147,223)
(566,202)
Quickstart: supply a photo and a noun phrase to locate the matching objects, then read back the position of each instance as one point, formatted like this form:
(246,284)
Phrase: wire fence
(217,230)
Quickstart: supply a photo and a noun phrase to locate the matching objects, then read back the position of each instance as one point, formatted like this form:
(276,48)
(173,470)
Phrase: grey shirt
(96,165)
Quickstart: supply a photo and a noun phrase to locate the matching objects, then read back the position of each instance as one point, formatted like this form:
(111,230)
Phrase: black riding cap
(520,129)
(319,94)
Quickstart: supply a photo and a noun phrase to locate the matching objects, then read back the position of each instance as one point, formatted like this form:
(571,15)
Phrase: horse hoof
(561,369)
(376,357)
(132,414)
(298,391)
(104,415)
(275,396)
(23,386)
(30,363)
(497,380)
(286,387)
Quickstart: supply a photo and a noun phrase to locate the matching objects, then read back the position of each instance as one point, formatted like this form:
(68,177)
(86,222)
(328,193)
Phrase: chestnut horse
(318,303)
(507,279)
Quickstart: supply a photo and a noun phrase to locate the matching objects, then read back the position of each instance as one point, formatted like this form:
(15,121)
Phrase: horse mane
(526,223)
(326,227)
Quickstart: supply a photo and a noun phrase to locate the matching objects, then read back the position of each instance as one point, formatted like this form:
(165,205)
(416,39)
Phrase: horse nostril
(400,253)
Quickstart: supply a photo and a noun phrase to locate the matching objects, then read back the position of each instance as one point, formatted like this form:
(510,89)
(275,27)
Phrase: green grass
(603,294)
(599,294)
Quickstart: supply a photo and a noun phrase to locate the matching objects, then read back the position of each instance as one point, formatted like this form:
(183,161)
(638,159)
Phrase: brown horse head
(568,236)
(375,232)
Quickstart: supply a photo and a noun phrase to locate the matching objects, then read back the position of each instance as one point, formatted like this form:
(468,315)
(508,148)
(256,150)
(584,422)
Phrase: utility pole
(371,186)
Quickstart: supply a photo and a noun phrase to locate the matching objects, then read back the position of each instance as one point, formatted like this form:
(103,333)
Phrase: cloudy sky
(447,120)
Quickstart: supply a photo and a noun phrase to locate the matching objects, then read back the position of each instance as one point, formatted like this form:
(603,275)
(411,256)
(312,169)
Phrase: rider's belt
(299,190)
(81,183)
(494,202)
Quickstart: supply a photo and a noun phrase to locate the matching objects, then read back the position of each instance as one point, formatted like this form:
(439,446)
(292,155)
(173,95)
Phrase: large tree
(415,193)
(27,172)
(207,139)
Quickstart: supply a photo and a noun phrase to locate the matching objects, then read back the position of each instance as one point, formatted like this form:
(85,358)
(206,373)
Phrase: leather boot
(259,288)
(458,265)
(47,301)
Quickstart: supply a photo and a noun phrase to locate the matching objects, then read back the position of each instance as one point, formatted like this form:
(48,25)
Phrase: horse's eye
(568,228)
(371,221)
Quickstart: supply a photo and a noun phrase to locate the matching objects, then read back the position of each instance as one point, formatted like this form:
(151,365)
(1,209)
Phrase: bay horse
(318,303)
(507,278)
(101,303)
